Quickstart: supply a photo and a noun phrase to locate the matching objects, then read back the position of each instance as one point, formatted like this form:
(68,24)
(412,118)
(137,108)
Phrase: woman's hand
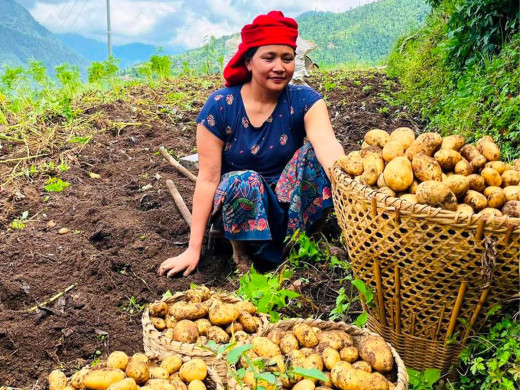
(186,261)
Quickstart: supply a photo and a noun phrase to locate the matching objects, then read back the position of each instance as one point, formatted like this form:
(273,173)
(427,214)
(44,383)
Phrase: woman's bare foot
(243,264)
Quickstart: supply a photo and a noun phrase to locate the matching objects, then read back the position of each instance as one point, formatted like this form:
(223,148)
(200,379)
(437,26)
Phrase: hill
(22,38)
(363,35)
(127,55)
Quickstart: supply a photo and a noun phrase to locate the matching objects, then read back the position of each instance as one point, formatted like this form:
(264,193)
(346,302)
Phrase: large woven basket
(434,270)
(156,344)
(356,333)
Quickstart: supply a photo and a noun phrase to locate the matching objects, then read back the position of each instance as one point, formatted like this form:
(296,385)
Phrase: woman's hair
(249,54)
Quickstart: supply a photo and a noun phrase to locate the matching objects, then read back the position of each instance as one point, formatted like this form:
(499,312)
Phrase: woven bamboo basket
(156,344)
(356,333)
(433,270)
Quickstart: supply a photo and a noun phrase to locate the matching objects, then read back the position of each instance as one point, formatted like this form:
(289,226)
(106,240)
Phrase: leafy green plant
(132,307)
(345,300)
(266,292)
(423,380)
(303,247)
(55,184)
(19,223)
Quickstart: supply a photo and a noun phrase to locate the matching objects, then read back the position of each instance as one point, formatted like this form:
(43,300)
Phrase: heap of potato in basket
(436,171)
(201,316)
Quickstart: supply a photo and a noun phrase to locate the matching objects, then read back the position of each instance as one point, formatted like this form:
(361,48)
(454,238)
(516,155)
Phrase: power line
(76,18)
(70,11)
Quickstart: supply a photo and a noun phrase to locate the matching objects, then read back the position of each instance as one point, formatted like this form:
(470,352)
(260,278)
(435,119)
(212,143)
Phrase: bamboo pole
(441,317)
(397,300)
(473,319)
(177,165)
(179,202)
(412,325)
(50,300)
(380,300)
(456,310)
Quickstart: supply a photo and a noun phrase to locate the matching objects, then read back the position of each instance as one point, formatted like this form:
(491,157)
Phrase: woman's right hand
(186,261)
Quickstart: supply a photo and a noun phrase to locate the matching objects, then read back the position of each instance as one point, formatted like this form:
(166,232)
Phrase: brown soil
(120,231)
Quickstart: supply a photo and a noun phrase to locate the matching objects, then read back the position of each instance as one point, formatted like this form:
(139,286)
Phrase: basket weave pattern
(425,260)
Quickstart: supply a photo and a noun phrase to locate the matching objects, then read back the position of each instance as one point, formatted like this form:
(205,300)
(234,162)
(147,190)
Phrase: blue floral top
(265,149)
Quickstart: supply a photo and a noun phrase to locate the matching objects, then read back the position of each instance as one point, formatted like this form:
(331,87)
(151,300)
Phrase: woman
(254,169)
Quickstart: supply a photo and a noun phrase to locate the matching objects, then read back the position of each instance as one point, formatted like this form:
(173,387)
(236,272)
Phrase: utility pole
(109,32)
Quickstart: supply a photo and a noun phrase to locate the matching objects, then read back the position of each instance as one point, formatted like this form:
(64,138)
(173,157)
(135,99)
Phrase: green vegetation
(460,71)
(423,380)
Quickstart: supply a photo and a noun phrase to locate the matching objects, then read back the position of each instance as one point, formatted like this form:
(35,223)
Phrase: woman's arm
(321,136)
(209,148)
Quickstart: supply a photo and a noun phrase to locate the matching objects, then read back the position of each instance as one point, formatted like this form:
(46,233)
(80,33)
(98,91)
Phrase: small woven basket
(430,269)
(356,333)
(156,344)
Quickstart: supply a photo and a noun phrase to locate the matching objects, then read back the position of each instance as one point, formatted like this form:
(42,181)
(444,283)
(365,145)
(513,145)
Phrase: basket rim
(420,210)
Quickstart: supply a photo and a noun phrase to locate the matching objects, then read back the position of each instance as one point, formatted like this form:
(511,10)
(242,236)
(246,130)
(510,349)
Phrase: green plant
(266,292)
(19,223)
(345,300)
(132,307)
(423,380)
(55,184)
(303,247)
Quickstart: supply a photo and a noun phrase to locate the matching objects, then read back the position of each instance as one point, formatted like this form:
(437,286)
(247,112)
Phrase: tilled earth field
(123,224)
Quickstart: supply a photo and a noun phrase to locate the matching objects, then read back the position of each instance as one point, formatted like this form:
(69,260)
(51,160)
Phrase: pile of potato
(332,352)
(203,316)
(124,373)
(440,172)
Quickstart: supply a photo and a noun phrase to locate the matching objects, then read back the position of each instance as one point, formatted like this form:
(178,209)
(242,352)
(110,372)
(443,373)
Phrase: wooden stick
(22,158)
(480,229)
(397,300)
(177,165)
(441,317)
(473,319)
(412,325)
(508,235)
(179,202)
(374,207)
(379,285)
(52,299)
(456,310)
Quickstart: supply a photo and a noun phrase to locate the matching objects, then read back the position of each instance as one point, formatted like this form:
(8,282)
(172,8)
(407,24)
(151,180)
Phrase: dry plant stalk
(177,165)
(179,202)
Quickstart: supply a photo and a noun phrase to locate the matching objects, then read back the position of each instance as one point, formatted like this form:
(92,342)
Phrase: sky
(167,23)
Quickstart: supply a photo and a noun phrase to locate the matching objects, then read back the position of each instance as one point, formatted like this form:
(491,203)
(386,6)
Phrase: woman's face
(272,66)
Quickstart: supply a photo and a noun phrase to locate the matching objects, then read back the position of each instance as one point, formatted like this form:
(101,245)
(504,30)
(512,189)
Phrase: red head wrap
(271,29)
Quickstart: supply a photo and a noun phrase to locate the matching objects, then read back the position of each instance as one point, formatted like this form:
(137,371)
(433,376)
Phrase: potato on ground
(463,167)
(489,150)
(512,208)
(458,184)
(511,177)
(469,152)
(117,359)
(398,174)
(57,380)
(377,137)
(218,335)
(453,142)
(404,135)
(102,378)
(223,314)
(234,327)
(447,158)
(345,377)
(376,351)
(476,200)
(436,194)
(194,369)
(478,163)
(264,347)
(426,168)
(125,384)
(305,335)
(172,364)
(185,331)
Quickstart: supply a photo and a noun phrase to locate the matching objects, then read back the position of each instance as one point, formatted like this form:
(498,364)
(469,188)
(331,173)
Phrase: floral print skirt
(252,209)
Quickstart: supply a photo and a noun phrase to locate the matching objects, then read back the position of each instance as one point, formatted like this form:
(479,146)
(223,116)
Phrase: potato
(305,384)
(436,194)
(510,177)
(168,333)
(489,150)
(415,149)
(251,355)
(425,168)
(349,354)
(240,336)
(188,311)
(465,209)
(171,364)
(469,152)
(432,141)
(245,306)
(331,339)
(195,295)
(158,309)
(453,142)
(160,384)
(330,357)
(381,181)
(512,208)
(307,351)
(276,364)
(496,199)
(376,351)
(516,164)
(218,335)
(57,380)
(196,385)
(392,150)
(498,166)
(327,383)
(373,166)
(352,164)
(398,174)
(223,314)
(364,145)
(410,198)
(404,135)
(347,339)
(264,347)
(476,182)
(349,378)
(413,187)
(276,335)
(170,322)
(185,331)
(177,383)
(201,340)
(158,323)
(194,369)
(125,384)
(138,370)
(248,322)
(76,379)
(463,167)
(458,184)
(512,193)
(117,359)
(491,177)
(102,378)
(377,137)
(476,200)
(159,373)
(362,365)
(313,361)
(490,212)
(289,343)
(305,335)
(373,151)
(235,327)
(203,326)
(447,158)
